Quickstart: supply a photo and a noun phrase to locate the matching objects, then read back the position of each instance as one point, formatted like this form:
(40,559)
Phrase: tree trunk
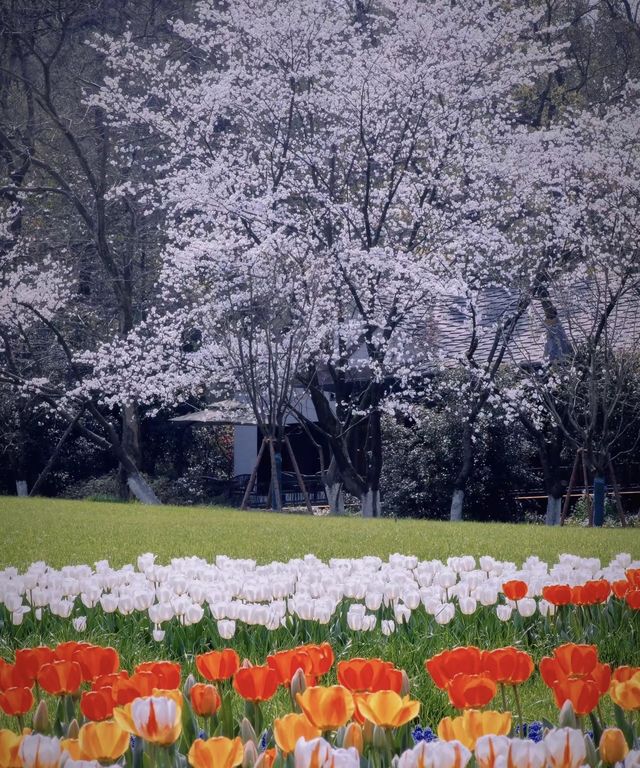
(460,484)
(333,489)
(599,489)
(554,509)
(370,503)
(457,501)
(131,444)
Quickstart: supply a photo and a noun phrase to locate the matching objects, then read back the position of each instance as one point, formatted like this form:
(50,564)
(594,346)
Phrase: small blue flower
(428,735)
(417,734)
(132,742)
(263,742)
(202,735)
(535,731)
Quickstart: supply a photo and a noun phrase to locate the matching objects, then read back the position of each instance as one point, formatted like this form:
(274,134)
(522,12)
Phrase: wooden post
(296,469)
(254,473)
(572,482)
(616,493)
(54,455)
(274,478)
(585,475)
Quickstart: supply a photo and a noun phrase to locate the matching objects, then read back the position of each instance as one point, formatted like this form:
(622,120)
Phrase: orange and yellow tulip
(328,707)
(388,709)
(288,729)
(613,746)
(217,752)
(625,688)
(105,741)
(9,747)
(472,724)
(218,665)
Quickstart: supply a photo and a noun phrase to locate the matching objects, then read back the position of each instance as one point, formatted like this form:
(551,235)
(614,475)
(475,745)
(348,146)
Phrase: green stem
(519,709)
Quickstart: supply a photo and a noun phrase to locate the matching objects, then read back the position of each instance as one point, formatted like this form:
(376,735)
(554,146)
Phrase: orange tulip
(286,663)
(633,577)
(217,752)
(473,724)
(267,758)
(9,748)
(557,594)
(256,683)
(96,661)
(205,699)
(633,598)
(16,702)
(218,665)
(105,741)
(138,685)
(288,729)
(321,656)
(576,661)
(60,677)
(72,748)
(66,651)
(167,673)
(327,708)
(515,589)
(369,675)
(510,666)
(620,588)
(467,660)
(471,691)
(613,747)
(30,660)
(156,719)
(97,705)
(388,709)
(12,676)
(582,693)
(625,688)
(591,593)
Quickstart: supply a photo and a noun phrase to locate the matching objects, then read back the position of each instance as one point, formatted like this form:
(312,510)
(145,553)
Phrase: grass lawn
(63,532)
(69,532)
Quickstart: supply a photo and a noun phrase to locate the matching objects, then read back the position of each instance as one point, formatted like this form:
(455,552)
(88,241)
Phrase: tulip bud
(405,685)
(73,729)
(247,733)
(188,685)
(353,737)
(41,718)
(613,746)
(379,737)
(591,757)
(298,685)
(246,664)
(567,716)
(250,755)
(367,732)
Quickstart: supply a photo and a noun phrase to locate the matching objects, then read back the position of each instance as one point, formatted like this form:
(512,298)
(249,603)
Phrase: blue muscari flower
(535,731)
(263,742)
(417,734)
(202,735)
(428,735)
(132,742)
(423,734)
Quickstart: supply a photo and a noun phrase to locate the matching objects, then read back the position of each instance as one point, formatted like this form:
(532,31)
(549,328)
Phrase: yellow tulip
(613,746)
(156,719)
(328,707)
(388,709)
(217,752)
(9,746)
(472,724)
(354,737)
(72,748)
(103,741)
(288,729)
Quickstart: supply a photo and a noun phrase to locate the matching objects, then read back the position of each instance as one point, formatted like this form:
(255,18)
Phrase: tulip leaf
(189,725)
(597,727)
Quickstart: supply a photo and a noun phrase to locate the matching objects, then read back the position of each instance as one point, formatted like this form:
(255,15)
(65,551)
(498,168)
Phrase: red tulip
(60,677)
(515,589)
(16,701)
(97,705)
(256,683)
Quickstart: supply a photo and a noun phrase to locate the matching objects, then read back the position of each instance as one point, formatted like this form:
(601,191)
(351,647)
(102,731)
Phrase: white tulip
(504,612)
(387,626)
(445,614)
(468,605)
(109,603)
(226,629)
(527,606)
(80,623)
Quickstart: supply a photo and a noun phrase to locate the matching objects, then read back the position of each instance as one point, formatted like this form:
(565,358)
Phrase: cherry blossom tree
(379,141)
